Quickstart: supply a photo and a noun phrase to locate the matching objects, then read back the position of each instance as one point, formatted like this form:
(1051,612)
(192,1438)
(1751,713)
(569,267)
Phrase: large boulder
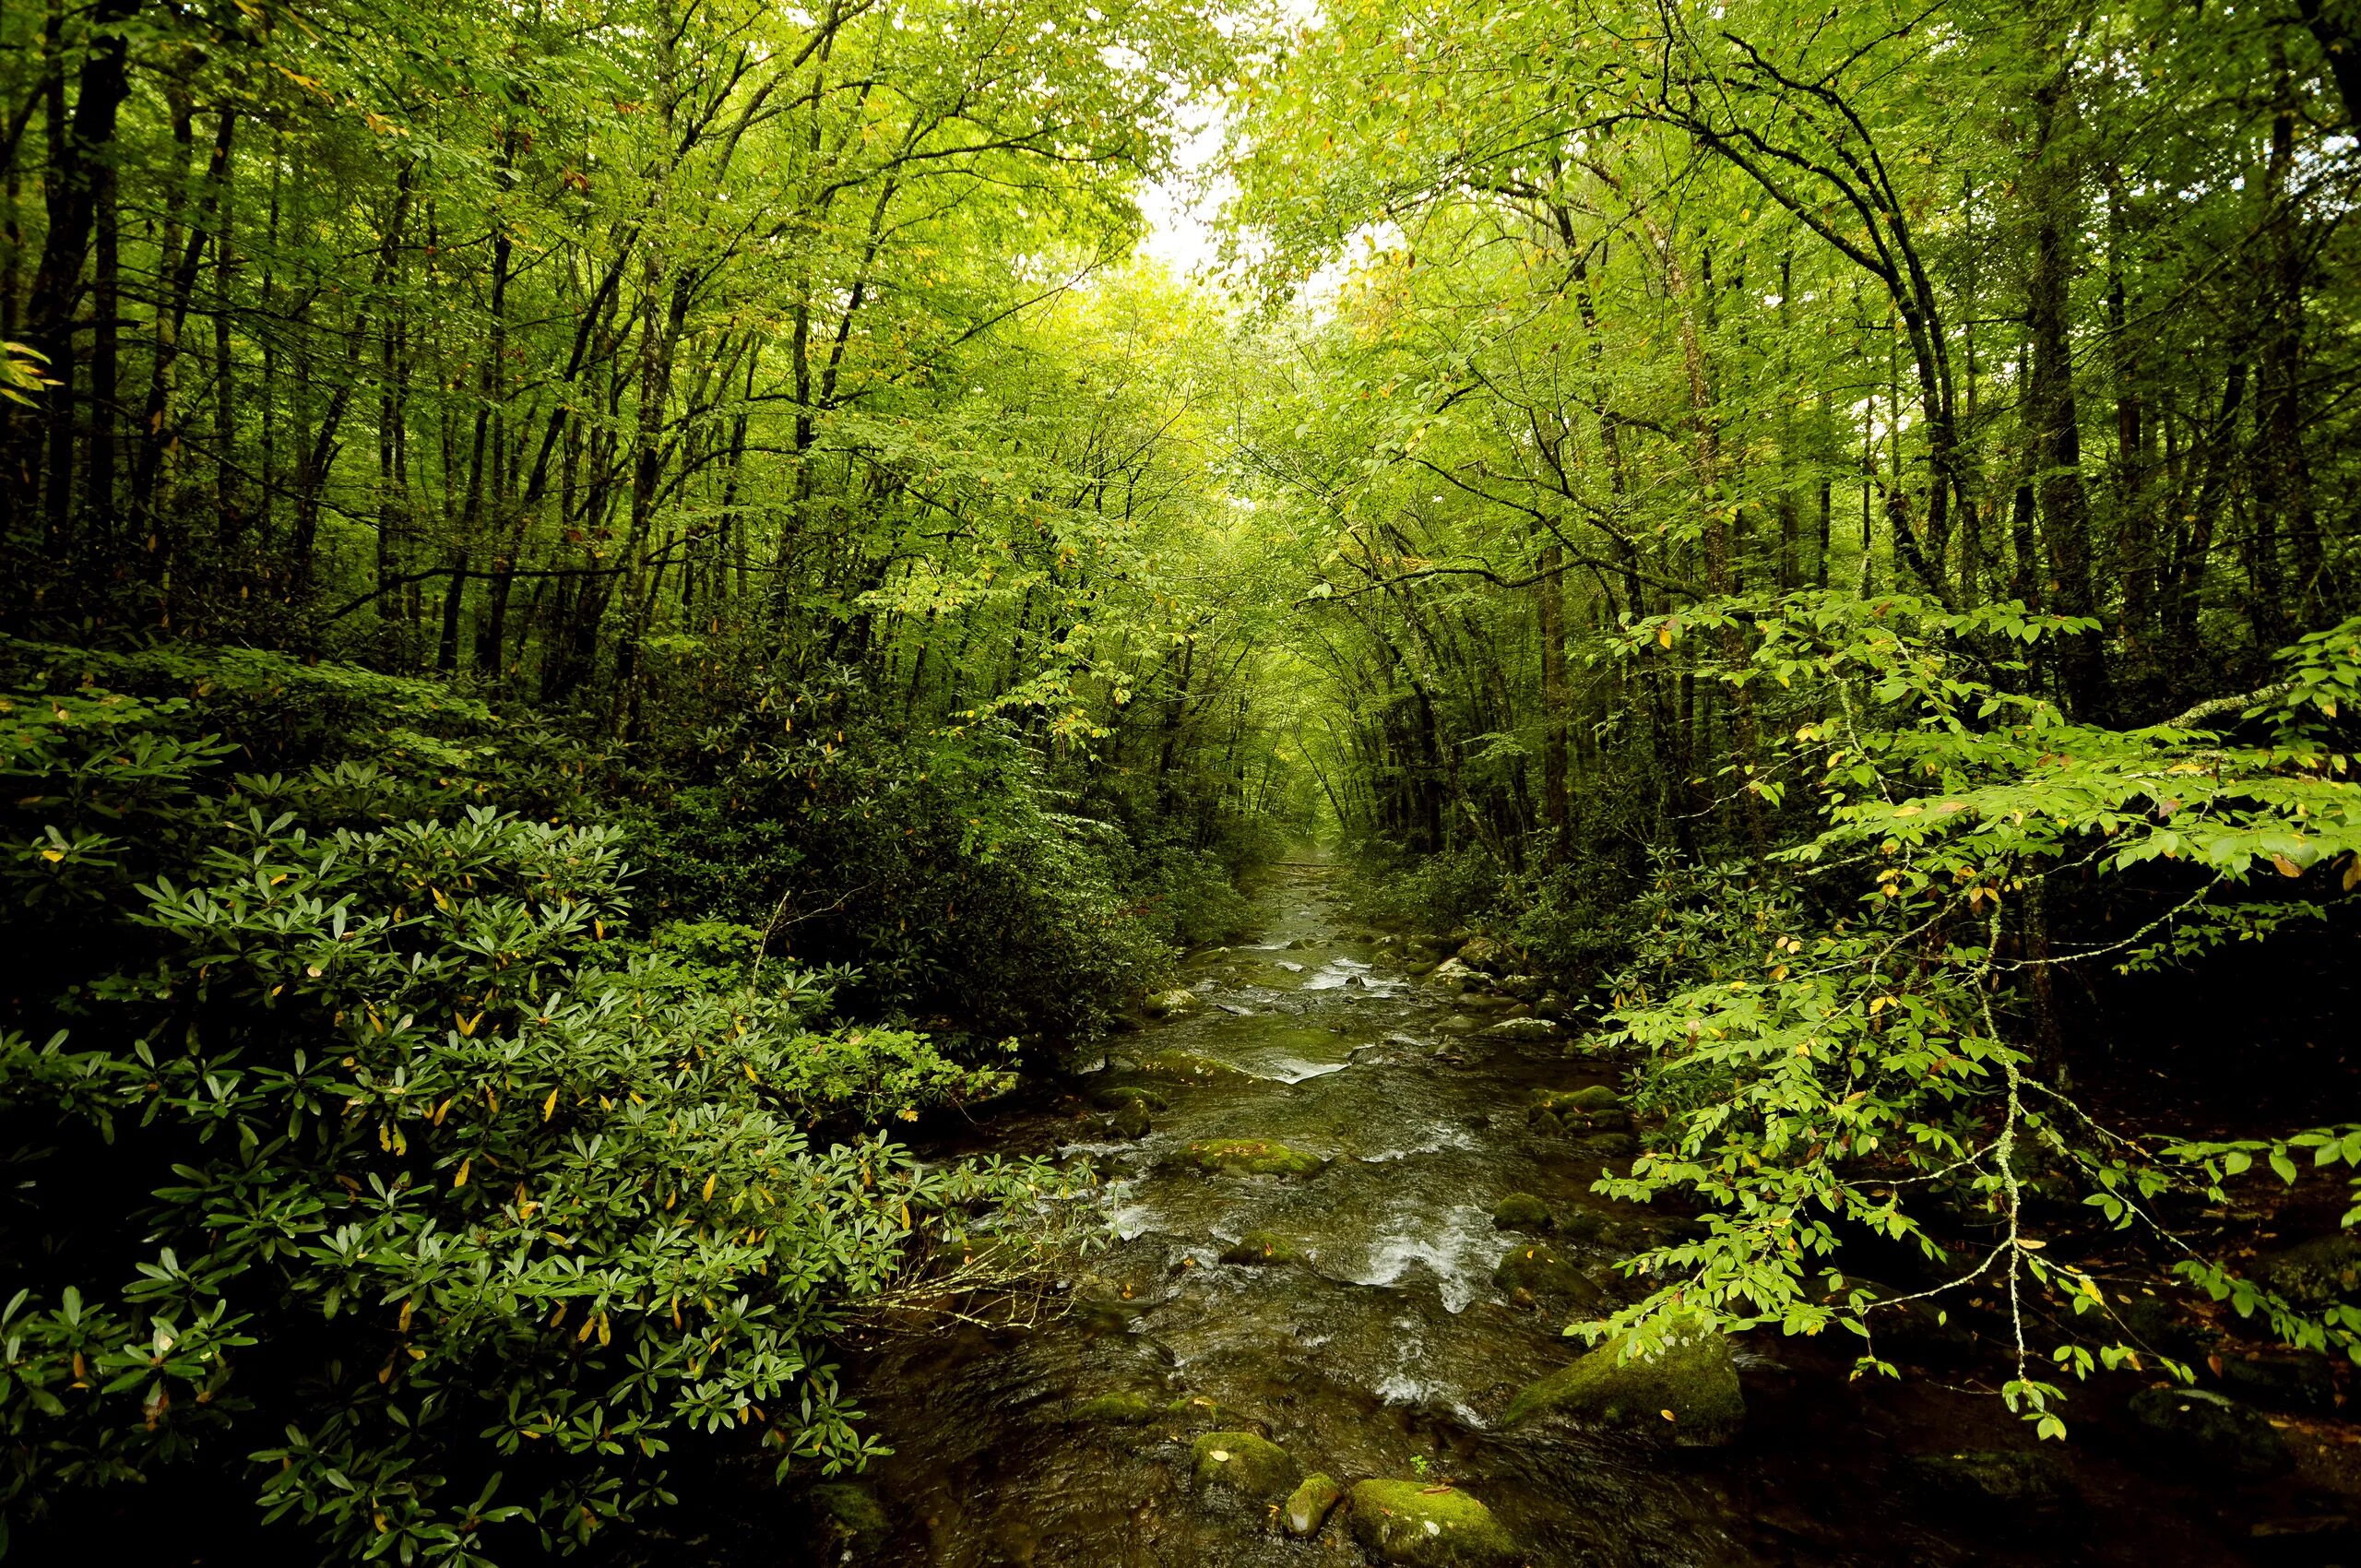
(2002,1490)
(1521,1211)
(1251,1156)
(1532,1272)
(2296,1382)
(2203,1433)
(1525,988)
(1131,1119)
(1687,1394)
(1523,1028)
(1486,955)
(1427,1526)
(1244,1463)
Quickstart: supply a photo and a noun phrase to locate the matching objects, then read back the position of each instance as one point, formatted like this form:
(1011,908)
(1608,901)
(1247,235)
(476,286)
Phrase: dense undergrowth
(427,1119)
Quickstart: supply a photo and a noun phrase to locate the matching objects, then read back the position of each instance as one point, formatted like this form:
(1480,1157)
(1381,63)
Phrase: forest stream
(1390,1348)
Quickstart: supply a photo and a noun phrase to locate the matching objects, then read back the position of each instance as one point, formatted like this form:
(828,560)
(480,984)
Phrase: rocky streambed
(1352,1215)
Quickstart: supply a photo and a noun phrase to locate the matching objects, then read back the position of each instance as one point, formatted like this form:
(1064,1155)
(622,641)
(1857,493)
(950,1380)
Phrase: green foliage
(1832,1051)
(507,1200)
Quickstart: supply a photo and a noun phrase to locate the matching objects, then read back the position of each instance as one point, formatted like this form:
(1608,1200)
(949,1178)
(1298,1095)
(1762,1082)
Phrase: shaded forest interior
(612,611)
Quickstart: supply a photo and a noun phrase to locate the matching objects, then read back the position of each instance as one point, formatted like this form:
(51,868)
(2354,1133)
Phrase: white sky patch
(1181,207)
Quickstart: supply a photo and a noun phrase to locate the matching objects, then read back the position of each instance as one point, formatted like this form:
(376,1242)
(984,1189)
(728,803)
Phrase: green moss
(1521,1211)
(1131,1119)
(1191,1068)
(1251,1156)
(1263,1247)
(1408,1522)
(1307,1506)
(1245,1463)
(1536,1270)
(1121,1408)
(1689,1394)
(850,1514)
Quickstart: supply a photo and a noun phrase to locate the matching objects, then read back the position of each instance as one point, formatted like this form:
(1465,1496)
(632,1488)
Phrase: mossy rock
(1609,1148)
(1131,1119)
(1189,1067)
(1487,955)
(1427,1526)
(851,1515)
(2319,1272)
(1117,1098)
(1527,1028)
(2206,1434)
(1307,1506)
(1263,1247)
(2296,1382)
(1244,1463)
(1532,1270)
(1251,1156)
(1521,1211)
(1124,1408)
(1169,1004)
(2003,1488)
(1687,1395)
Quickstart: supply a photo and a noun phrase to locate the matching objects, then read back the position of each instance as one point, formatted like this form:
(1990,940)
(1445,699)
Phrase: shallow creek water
(1391,1352)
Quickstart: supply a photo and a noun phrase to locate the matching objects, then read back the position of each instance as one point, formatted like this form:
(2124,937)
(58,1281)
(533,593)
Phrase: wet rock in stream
(1189,1067)
(1521,1211)
(2002,1490)
(1687,1394)
(1427,1526)
(1251,1156)
(1245,1463)
(1127,1407)
(1131,1119)
(2201,1431)
(1533,1271)
(1308,1505)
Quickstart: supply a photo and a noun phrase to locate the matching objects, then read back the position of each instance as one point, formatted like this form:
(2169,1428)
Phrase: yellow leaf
(1664,634)
(53,855)
(2287,867)
(708,1186)
(461,1179)
(548,1106)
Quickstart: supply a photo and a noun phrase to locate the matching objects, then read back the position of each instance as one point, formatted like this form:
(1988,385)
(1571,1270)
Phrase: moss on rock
(1687,1394)
(851,1514)
(1244,1463)
(1251,1156)
(1308,1505)
(2192,1430)
(1131,1119)
(1263,1247)
(1532,1270)
(1124,1408)
(1521,1211)
(1189,1067)
(1427,1526)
